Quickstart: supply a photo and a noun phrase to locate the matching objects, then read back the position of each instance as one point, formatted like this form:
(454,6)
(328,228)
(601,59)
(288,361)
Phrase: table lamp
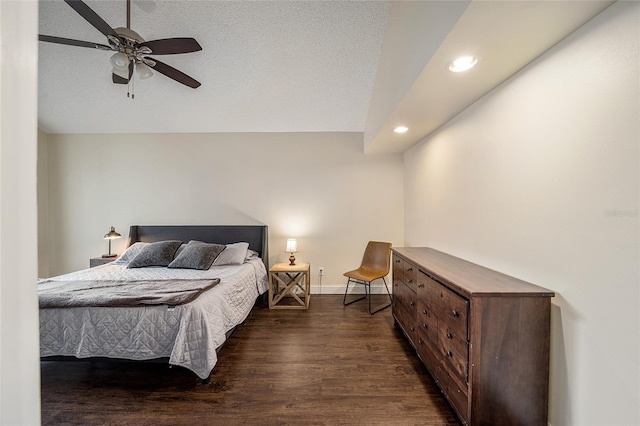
(111,235)
(292,247)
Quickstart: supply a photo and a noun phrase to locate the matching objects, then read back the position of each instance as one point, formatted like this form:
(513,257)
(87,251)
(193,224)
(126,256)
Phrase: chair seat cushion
(365,274)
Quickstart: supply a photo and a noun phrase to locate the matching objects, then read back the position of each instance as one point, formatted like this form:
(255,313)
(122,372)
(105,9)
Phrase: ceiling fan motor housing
(129,44)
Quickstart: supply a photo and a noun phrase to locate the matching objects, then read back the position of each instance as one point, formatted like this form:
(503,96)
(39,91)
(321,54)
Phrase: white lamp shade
(292,246)
(119,61)
(143,71)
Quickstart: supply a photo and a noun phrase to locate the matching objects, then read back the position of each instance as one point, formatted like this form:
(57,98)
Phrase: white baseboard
(339,289)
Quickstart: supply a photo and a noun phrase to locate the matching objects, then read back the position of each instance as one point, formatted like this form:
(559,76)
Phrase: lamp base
(292,260)
(105,256)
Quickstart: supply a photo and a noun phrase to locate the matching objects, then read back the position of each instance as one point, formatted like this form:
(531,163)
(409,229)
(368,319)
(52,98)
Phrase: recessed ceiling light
(463,63)
(401,129)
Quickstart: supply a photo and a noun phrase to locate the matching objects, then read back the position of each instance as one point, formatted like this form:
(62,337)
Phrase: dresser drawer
(404,308)
(406,321)
(457,363)
(455,391)
(451,309)
(398,268)
(411,275)
(427,350)
(449,338)
(426,321)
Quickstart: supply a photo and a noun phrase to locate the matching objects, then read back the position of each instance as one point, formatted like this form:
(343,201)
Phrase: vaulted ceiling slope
(296,66)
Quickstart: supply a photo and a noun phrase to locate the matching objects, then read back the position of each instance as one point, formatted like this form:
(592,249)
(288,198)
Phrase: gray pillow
(233,254)
(197,255)
(156,254)
(130,253)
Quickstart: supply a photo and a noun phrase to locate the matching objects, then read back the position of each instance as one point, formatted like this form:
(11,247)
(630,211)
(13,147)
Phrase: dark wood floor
(329,365)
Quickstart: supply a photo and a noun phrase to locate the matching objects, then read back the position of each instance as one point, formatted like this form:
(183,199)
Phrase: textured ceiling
(297,66)
(266,66)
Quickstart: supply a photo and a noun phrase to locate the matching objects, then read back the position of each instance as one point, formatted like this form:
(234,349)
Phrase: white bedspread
(188,334)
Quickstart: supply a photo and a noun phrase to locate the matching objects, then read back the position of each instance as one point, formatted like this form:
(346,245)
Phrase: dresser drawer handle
(409,269)
(449,336)
(450,354)
(411,303)
(409,282)
(412,328)
(455,313)
(420,285)
(425,312)
(397,260)
(419,341)
(425,326)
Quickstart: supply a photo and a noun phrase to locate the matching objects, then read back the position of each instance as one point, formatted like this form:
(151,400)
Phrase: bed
(188,334)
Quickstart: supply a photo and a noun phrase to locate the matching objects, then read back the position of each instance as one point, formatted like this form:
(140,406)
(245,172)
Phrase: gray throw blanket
(66,294)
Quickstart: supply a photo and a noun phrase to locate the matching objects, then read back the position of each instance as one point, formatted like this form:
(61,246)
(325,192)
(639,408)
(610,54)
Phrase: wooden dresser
(483,335)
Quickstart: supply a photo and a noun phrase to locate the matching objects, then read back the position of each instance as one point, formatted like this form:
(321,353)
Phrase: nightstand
(289,286)
(97,261)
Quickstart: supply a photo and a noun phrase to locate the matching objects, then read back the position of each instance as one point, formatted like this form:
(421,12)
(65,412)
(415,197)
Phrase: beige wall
(19,343)
(317,187)
(540,180)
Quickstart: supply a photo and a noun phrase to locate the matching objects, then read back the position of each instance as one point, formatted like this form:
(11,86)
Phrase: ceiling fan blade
(171,72)
(90,16)
(170,46)
(72,42)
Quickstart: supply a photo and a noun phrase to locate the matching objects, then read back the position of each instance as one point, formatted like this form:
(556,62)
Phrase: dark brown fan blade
(173,73)
(121,80)
(90,16)
(170,46)
(72,42)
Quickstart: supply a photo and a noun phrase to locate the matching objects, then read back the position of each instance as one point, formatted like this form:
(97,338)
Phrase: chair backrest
(377,257)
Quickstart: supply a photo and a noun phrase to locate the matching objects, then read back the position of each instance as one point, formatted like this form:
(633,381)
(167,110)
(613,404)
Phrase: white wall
(19,355)
(317,187)
(540,180)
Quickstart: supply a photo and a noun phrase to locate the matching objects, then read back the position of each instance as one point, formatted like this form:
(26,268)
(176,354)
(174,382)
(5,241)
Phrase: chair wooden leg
(346,290)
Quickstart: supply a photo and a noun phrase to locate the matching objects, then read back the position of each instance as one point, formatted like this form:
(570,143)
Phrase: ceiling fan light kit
(119,61)
(144,71)
(131,49)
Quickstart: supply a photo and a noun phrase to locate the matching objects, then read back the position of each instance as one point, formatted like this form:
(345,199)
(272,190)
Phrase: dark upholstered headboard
(255,235)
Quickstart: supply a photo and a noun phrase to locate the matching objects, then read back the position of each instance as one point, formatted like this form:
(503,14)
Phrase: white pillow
(131,252)
(233,254)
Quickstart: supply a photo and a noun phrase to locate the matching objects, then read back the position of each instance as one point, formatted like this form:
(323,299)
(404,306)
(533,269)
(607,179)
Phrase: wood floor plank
(328,365)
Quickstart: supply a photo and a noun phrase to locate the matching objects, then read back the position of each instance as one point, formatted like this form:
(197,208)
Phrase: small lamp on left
(111,235)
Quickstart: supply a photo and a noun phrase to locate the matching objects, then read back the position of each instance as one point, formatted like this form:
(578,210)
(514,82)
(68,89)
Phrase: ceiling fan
(131,49)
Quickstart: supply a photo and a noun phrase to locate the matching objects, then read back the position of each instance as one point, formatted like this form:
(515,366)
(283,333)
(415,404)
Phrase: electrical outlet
(321,271)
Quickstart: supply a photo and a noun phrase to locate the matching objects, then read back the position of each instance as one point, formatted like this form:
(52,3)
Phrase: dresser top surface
(468,278)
